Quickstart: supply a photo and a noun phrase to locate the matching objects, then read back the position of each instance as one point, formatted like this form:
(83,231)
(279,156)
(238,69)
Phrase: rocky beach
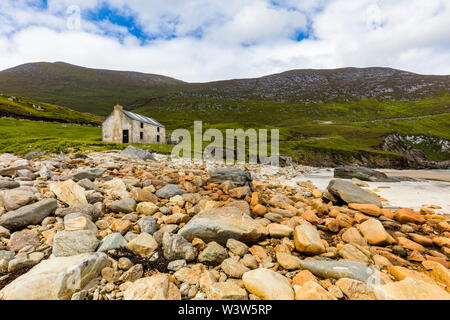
(134,225)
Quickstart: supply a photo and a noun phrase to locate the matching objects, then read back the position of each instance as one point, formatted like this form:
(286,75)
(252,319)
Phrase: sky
(206,40)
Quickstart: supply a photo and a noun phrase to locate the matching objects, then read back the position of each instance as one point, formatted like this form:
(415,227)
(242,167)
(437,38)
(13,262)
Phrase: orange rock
(302,277)
(312,291)
(311,216)
(444,225)
(401,273)
(333,213)
(260,210)
(121,226)
(255,199)
(370,209)
(416,256)
(407,215)
(408,244)
(442,261)
(441,241)
(198,243)
(425,210)
(360,218)
(438,272)
(239,192)
(317,193)
(423,240)
(387,213)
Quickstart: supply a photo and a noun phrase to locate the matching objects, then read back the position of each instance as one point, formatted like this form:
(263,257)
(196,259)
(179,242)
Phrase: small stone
(233,268)
(287,261)
(176,265)
(237,247)
(112,241)
(126,205)
(175,247)
(303,277)
(352,235)
(124,263)
(311,290)
(69,192)
(169,191)
(69,243)
(374,232)
(370,209)
(307,240)
(144,244)
(148,224)
(350,252)
(268,285)
(21,239)
(249,261)
(146,208)
(187,275)
(279,230)
(213,254)
(134,273)
(354,289)
(157,287)
(226,291)
(407,215)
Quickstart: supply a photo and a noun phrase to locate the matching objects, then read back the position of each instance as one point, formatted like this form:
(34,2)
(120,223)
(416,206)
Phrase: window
(158,129)
(142,125)
(142,136)
(157,138)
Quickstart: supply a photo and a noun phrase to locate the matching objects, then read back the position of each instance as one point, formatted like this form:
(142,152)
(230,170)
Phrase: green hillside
(19,107)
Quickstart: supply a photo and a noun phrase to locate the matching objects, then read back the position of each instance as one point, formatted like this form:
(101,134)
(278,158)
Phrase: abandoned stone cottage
(123,126)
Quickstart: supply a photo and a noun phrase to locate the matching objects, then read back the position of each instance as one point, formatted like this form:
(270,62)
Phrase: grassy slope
(23,136)
(29,109)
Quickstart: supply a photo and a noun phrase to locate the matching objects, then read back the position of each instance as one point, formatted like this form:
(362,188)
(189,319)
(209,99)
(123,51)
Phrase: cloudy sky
(202,40)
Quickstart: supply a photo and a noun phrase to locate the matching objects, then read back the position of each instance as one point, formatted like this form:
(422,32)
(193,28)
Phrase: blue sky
(205,40)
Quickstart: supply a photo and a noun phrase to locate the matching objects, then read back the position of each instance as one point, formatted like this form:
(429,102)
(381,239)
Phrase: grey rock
(337,269)
(351,193)
(15,198)
(112,241)
(136,153)
(126,205)
(213,254)
(169,191)
(88,210)
(6,255)
(19,263)
(8,184)
(32,214)
(33,154)
(148,224)
(366,174)
(239,176)
(237,247)
(176,247)
(222,224)
(176,265)
(22,239)
(88,185)
(45,172)
(70,243)
(90,174)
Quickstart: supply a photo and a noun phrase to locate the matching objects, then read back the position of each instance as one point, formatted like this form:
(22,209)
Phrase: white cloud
(405,34)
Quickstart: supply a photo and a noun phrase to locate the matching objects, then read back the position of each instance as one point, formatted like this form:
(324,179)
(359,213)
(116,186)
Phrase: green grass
(19,107)
(22,136)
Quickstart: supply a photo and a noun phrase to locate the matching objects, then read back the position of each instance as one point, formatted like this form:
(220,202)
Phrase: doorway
(126,138)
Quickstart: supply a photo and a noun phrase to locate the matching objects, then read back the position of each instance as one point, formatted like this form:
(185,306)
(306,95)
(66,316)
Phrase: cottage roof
(144,119)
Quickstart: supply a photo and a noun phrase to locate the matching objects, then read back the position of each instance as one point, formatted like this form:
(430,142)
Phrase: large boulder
(222,224)
(57,278)
(240,177)
(351,193)
(32,214)
(136,153)
(366,174)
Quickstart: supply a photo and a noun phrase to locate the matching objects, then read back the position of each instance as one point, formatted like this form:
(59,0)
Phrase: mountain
(95,90)
(81,89)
